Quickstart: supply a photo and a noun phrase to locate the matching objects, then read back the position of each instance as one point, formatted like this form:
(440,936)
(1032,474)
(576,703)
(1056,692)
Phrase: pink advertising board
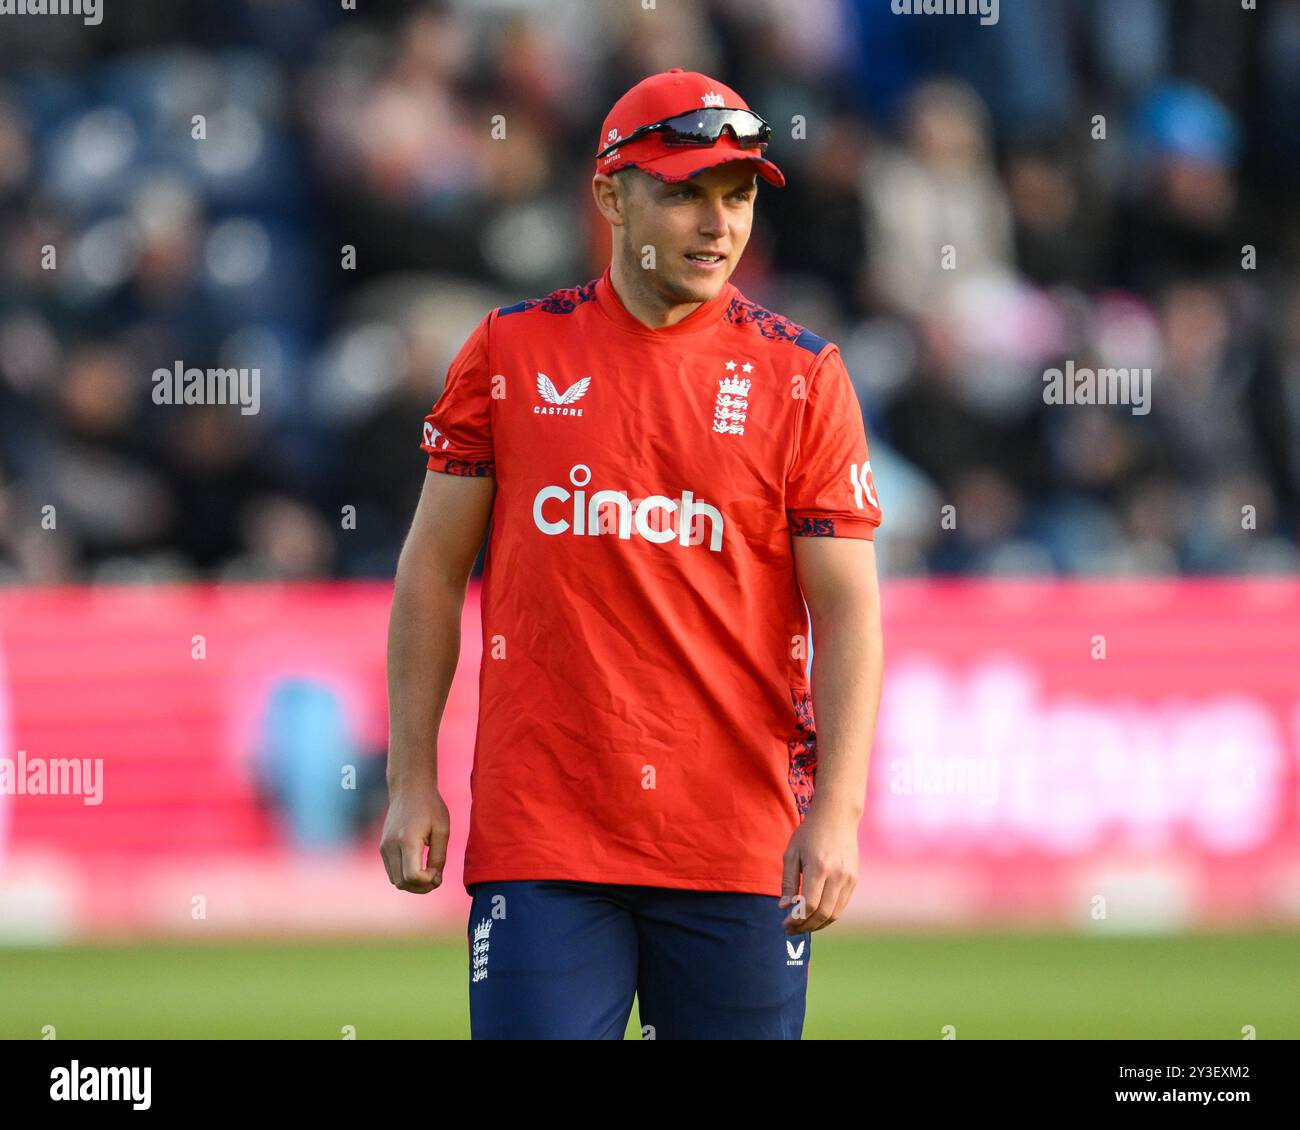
(1102,755)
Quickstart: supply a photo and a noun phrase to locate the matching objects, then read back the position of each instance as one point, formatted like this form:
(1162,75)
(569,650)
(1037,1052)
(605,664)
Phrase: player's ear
(608,193)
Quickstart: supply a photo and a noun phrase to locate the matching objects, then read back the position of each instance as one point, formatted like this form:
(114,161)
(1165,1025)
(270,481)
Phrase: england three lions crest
(731,406)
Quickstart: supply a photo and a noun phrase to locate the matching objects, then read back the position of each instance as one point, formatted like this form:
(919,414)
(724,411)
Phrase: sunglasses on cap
(703,127)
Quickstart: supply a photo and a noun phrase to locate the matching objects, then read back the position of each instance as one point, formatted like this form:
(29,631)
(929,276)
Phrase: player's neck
(643,302)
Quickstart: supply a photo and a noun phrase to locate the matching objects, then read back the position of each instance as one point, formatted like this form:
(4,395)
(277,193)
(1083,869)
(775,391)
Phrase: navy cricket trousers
(557,959)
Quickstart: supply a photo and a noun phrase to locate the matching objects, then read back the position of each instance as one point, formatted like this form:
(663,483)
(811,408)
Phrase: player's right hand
(417,818)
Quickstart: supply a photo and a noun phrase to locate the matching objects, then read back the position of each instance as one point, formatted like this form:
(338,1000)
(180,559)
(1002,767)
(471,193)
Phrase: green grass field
(863,986)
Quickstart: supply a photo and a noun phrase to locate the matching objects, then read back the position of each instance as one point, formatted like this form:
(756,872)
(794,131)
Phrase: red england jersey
(644,707)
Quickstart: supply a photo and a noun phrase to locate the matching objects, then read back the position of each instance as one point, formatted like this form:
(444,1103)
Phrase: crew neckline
(702,318)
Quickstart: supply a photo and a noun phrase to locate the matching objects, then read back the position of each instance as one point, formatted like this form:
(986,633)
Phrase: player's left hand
(824,849)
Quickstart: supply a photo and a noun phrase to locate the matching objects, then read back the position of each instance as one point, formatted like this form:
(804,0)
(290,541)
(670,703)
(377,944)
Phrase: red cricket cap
(661,96)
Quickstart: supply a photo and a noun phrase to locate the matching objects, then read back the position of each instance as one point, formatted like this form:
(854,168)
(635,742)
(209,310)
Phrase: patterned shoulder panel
(563,301)
(775,327)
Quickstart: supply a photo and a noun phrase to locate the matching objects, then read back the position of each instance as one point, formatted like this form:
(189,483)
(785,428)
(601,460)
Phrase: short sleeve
(830,491)
(458,431)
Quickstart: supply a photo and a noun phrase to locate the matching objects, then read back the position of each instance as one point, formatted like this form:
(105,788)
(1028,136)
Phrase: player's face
(710,214)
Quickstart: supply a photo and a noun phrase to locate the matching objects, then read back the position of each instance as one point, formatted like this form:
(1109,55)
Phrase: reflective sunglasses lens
(704,127)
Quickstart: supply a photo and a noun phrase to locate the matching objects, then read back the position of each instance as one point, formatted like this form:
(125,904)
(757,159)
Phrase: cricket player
(671,471)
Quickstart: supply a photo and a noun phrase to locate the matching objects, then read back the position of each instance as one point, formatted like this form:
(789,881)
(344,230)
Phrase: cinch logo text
(650,517)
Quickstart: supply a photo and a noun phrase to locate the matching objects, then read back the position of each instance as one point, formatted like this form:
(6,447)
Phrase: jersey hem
(623,878)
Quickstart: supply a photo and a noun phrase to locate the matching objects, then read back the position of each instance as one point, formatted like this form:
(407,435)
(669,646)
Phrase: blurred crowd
(318,193)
